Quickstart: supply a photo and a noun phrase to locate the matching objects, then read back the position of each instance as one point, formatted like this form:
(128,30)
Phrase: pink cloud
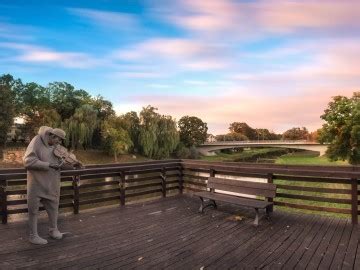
(274,113)
(258,17)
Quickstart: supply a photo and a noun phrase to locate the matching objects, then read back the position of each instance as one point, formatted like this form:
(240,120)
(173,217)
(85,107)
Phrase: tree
(36,109)
(7,108)
(117,139)
(193,130)
(265,134)
(104,110)
(80,127)
(131,122)
(65,99)
(167,137)
(243,128)
(342,128)
(158,136)
(231,137)
(296,133)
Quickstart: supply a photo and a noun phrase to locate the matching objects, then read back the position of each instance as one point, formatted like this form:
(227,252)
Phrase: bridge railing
(317,188)
(259,142)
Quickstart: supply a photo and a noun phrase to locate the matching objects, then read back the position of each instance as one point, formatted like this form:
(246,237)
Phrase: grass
(99,157)
(307,158)
(242,156)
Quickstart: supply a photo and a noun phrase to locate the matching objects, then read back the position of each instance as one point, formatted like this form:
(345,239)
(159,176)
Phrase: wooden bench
(265,190)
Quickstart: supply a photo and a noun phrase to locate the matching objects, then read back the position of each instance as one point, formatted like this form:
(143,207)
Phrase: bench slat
(245,187)
(233,199)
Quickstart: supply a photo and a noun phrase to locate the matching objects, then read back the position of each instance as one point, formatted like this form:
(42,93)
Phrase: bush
(182,151)
(194,153)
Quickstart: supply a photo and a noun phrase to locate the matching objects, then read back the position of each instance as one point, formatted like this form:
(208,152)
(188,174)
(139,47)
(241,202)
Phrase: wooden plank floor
(169,233)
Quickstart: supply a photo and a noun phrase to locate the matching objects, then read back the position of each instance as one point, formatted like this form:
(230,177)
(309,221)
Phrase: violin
(66,157)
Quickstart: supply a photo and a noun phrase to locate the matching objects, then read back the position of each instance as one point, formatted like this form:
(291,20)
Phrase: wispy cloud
(106,18)
(137,75)
(35,54)
(11,31)
(276,113)
(177,52)
(254,18)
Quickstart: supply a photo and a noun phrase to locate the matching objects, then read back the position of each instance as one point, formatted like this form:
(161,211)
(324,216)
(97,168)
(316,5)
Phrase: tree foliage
(231,137)
(158,136)
(342,128)
(7,108)
(65,99)
(117,139)
(80,127)
(192,131)
(296,133)
(131,122)
(244,129)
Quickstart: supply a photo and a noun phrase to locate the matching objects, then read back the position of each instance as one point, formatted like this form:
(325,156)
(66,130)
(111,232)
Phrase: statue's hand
(54,166)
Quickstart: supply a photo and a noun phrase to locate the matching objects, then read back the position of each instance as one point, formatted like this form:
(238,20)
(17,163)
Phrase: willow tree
(167,137)
(158,136)
(80,127)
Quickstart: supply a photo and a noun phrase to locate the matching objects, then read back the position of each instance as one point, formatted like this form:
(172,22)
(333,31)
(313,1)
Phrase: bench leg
(269,210)
(214,204)
(203,206)
(201,209)
(256,221)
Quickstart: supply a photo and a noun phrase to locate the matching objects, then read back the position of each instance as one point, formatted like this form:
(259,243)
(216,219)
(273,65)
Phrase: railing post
(212,174)
(76,188)
(3,201)
(354,201)
(181,180)
(270,179)
(122,182)
(163,181)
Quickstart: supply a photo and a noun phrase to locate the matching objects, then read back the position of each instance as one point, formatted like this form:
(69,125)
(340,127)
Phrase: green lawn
(241,156)
(307,158)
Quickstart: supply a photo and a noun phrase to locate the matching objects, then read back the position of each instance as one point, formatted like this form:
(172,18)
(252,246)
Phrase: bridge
(209,148)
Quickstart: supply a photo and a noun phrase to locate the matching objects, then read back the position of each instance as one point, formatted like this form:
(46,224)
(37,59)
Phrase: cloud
(176,53)
(274,113)
(15,32)
(106,18)
(35,54)
(137,75)
(258,18)
(159,85)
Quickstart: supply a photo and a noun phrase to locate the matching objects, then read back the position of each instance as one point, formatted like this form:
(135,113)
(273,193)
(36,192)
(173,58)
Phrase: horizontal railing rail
(332,189)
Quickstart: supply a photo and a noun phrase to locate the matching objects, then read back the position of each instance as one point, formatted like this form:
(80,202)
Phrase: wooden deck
(169,233)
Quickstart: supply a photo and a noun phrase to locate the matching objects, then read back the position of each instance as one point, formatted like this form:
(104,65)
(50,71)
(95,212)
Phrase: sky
(273,64)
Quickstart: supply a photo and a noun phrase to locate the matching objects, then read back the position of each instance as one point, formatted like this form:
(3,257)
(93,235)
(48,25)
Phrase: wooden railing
(96,184)
(316,188)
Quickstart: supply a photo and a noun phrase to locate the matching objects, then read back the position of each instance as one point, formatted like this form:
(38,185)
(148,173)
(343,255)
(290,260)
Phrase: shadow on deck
(169,233)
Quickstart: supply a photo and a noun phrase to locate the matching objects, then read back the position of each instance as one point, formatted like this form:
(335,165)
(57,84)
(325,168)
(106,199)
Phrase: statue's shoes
(55,233)
(37,240)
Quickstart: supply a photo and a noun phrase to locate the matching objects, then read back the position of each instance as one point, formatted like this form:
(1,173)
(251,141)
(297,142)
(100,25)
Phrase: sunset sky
(271,64)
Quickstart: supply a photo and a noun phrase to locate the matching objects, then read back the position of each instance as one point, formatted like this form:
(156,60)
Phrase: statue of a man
(43,181)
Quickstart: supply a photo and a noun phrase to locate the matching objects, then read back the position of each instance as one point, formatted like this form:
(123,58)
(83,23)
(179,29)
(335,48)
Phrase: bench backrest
(267,190)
